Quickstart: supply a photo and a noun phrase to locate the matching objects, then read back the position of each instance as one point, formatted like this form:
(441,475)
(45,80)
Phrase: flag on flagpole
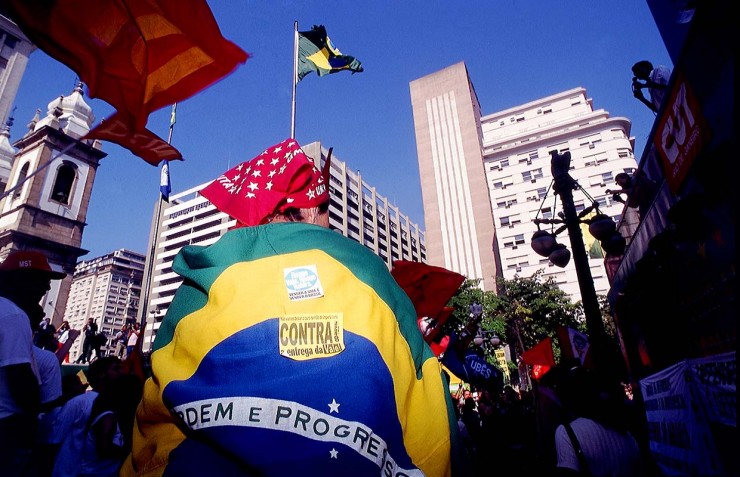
(574,345)
(165,186)
(137,55)
(540,357)
(173,116)
(317,53)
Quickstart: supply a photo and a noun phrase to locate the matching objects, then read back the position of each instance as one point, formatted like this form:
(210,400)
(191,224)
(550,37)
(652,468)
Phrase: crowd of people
(330,374)
(95,343)
(53,425)
(573,423)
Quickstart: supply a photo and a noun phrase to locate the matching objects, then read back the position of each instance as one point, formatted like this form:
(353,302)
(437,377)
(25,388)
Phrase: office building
(106,289)
(357,211)
(485,178)
(15,49)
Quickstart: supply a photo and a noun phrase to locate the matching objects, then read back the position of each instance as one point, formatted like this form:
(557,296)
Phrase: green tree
(526,310)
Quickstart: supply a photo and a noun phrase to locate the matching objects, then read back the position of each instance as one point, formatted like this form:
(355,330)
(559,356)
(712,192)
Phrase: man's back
(309,358)
(16,348)
(69,433)
(661,75)
(607,451)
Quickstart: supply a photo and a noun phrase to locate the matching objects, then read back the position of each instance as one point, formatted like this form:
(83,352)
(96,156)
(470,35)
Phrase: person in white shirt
(25,277)
(655,79)
(133,338)
(70,432)
(600,430)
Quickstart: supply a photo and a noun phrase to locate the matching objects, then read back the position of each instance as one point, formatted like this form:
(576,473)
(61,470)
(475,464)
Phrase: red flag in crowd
(137,55)
(540,357)
(428,287)
(440,347)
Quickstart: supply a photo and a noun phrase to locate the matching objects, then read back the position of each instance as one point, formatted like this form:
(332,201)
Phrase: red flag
(540,357)
(441,347)
(428,287)
(137,55)
(144,143)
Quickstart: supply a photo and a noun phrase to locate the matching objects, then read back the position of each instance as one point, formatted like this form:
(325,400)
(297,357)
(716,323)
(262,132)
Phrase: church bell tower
(44,206)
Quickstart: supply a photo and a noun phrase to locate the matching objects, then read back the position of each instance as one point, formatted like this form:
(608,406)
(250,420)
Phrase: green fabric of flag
(317,53)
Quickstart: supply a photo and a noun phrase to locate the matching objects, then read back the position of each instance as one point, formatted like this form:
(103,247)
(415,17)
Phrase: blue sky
(516,51)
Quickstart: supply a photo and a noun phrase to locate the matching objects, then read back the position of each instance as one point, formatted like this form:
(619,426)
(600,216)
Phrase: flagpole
(295,78)
(155,237)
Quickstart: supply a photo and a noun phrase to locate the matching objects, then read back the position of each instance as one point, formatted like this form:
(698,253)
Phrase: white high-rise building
(106,289)
(486,178)
(357,211)
(15,49)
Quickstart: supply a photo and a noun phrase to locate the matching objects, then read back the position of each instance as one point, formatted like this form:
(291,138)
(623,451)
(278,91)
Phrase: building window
(65,179)
(21,177)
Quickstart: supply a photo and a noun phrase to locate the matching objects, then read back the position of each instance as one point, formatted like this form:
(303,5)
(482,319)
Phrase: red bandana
(279,178)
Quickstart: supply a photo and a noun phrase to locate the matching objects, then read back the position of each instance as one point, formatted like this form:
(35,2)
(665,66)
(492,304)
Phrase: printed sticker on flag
(303,283)
(302,337)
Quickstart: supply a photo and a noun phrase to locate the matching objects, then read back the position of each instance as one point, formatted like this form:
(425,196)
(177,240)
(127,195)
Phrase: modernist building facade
(486,178)
(106,289)
(15,49)
(357,211)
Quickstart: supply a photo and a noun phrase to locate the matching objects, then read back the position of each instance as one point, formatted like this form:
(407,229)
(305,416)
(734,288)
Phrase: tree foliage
(526,310)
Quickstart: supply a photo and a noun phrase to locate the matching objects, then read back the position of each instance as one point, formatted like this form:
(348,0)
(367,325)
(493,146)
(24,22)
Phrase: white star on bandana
(282,176)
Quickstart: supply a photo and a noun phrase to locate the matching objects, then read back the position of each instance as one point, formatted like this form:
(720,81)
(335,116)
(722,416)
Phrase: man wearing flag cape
(290,349)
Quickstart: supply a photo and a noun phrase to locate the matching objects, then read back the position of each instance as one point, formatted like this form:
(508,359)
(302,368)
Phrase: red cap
(279,178)
(35,261)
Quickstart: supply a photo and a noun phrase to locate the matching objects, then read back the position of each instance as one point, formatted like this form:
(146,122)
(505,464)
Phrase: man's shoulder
(45,356)
(8,306)
(14,321)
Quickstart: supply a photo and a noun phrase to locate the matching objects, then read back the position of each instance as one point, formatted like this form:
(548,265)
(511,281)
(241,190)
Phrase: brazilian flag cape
(291,350)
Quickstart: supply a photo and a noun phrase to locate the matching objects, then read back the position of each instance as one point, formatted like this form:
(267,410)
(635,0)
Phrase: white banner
(680,402)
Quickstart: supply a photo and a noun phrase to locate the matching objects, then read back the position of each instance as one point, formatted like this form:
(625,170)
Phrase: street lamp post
(564,186)
(544,243)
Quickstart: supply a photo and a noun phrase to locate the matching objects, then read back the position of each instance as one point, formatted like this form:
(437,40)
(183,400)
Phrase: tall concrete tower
(457,208)
(44,206)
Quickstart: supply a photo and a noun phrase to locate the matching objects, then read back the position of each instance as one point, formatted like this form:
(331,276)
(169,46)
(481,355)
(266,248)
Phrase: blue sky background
(516,51)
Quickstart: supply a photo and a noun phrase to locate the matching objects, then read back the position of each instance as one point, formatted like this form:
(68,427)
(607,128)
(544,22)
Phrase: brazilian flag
(317,53)
(291,350)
